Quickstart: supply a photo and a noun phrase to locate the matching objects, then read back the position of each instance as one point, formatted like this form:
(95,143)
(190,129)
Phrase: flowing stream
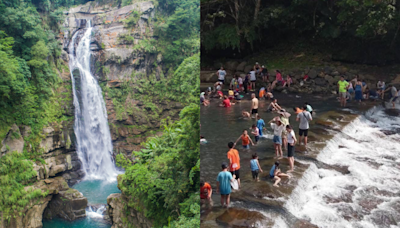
(350,176)
(94,145)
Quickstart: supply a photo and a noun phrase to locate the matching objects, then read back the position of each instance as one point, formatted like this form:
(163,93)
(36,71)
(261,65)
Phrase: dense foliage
(15,173)
(245,26)
(165,175)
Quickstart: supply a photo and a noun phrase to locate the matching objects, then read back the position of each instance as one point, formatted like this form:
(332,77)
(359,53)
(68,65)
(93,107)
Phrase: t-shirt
(224,178)
(277,129)
(240,80)
(291,136)
(205,190)
(253,164)
(252,75)
(260,124)
(245,140)
(256,131)
(221,74)
(279,77)
(233,155)
(393,90)
(309,108)
(202,94)
(272,171)
(264,71)
(304,117)
(227,103)
(342,86)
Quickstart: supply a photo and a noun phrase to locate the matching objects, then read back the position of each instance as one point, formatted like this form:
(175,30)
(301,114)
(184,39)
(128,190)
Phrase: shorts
(257,138)
(290,150)
(222,81)
(236,172)
(246,146)
(277,139)
(254,111)
(393,99)
(272,177)
(351,90)
(201,99)
(342,94)
(255,174)
(231,97)
(225,194)
(252,80)
(303,132)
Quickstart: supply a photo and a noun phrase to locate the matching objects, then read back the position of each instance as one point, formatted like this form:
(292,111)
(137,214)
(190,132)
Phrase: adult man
(224,180)
(394,94)
(254,105)
(304,117)
(253,80)
(234,161)
(221,75)
(342,86)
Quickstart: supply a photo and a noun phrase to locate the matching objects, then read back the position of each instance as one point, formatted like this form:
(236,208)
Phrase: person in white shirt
(221,75)
(291,139)
(253,80)
(278,128)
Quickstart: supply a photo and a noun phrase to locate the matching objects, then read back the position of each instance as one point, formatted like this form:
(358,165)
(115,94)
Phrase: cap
(262,66)
(256,62)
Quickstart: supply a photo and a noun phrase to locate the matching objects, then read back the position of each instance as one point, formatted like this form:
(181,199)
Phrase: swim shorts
(303,132)
(255,173)
(290,150)
(236,172)
(254,111)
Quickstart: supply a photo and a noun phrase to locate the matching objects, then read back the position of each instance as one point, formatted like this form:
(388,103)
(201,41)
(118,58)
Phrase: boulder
(335,73)
(247,69)
(69,205)
(231,65)
(13,141)
(237,217)
(342,69)
(320,81)
(313,73)
(330,79)
(241,66)
(208,76)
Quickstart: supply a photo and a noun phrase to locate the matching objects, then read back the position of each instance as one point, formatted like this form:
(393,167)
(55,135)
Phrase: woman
(350,89)
(381,88)
(288,81)
(358,91)
(278,128)
(277,79)
(264,74)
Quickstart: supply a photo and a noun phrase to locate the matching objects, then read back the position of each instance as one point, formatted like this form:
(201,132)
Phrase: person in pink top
(277,79)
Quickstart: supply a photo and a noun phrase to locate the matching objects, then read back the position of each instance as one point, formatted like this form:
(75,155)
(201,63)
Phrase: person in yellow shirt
(342,86)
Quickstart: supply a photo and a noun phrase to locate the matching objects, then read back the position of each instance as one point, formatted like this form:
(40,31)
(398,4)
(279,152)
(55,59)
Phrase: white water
(93,137)
(96,213)
(374,165)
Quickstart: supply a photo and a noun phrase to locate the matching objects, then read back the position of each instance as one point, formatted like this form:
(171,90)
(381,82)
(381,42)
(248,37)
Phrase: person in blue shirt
(276,174)
(260,125)
(255,167)
(224,180)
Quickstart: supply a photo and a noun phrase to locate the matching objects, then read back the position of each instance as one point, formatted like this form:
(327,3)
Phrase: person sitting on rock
(274,106)
(288,81)
(276,174)
(203,99)
(278,79)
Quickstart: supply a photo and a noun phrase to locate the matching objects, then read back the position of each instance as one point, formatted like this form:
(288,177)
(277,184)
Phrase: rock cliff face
(119,57)
(118,214)
(57,188)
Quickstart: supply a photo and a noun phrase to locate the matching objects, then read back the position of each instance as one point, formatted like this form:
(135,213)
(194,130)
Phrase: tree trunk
(257,9)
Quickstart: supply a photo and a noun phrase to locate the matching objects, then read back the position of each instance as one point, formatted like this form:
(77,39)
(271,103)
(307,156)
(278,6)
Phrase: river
(348,177)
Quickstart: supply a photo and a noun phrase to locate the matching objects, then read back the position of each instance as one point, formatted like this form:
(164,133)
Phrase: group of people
(361,91)
(283,136)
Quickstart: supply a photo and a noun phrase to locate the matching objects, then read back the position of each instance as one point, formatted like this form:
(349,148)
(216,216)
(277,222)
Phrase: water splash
(93,139)
(367,196)
(96,213)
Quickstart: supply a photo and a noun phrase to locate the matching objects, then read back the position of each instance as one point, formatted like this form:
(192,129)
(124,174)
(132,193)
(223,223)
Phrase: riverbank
(260,204)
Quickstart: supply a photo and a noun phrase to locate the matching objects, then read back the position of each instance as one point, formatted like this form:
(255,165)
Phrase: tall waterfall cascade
(93,138)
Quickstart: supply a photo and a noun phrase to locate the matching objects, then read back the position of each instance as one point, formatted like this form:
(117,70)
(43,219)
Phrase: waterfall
(93,139)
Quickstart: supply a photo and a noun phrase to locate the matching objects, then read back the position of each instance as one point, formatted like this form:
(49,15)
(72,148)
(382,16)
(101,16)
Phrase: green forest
(361,31)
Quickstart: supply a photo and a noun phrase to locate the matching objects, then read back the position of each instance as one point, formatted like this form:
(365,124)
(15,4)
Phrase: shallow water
(321,175)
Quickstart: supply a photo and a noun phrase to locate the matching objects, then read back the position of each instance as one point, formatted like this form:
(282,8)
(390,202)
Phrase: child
(202,140)
(245,114)
(291,141)
(226,102)
(224,180)
(240,82)
(260,125)
(255,132)
(255,167)
(205,190)
(246,140)
(276,174)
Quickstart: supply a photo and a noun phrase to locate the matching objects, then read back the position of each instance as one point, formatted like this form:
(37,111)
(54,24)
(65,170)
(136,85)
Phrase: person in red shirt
(234,161)
(226,102)
(205,190)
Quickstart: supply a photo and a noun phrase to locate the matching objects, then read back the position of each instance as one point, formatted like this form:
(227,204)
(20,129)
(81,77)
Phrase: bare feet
(275,185)
(290,171)
(280,157)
